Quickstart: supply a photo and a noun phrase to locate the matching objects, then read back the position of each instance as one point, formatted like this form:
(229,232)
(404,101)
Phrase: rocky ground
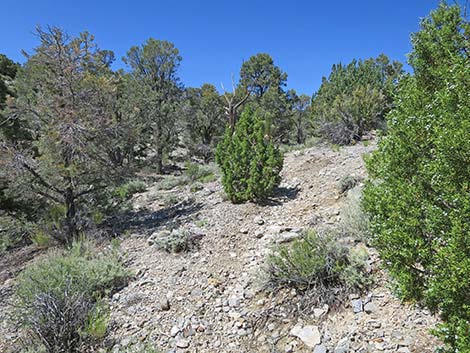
(212,298)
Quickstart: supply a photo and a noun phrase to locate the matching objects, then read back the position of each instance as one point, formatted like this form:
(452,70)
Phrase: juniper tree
(8,70)
(249,160)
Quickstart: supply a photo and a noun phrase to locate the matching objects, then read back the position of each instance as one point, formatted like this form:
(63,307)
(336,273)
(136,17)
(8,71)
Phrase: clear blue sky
(304,37)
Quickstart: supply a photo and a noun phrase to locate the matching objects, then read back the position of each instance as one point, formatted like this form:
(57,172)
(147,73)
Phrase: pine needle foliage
(249,160)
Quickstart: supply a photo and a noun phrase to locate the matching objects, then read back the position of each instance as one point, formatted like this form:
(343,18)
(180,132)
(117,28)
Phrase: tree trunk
(207,137)
(71,231)
(159,159)
(300,136)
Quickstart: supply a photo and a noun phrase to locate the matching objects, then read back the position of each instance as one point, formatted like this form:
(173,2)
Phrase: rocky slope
(211,298)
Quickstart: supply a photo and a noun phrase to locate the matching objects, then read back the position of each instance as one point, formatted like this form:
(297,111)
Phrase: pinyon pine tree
(249,160)
(66,99)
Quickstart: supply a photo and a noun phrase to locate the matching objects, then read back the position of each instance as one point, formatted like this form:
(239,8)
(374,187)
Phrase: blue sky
(214,37)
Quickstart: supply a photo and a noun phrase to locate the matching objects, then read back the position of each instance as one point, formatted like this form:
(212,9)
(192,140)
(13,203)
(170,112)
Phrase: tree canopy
(355,98)
(418,196)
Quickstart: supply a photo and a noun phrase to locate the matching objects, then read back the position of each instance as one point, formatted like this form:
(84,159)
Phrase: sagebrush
(57,299)
(320,266)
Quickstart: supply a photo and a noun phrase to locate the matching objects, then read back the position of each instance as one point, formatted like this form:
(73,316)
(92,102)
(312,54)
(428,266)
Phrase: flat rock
(287,237)
(342,346)
(165,304)
(370,308)
(309,335)
(319,312)
(258,220)
(357,305)
(182,343)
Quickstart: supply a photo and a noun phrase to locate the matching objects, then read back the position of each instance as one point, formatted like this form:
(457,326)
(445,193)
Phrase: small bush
(309,142)
(197,172)
(249,160)
(178,241)
(57,320)
(170,199)
(347,183)
(208,178)
(125,191)
(318,265)
(195,187)
(97,321)
(193,175)
(88,273)
(201,223)
(14,231)
(354,221)
(170,182)
(57,298)
(136,186)
(41,239)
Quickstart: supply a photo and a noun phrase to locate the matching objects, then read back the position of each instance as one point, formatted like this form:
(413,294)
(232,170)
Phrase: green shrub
(89,273)
(41,239)
(192,171)
(249,160)
(97,321)
(178,241)
(196,172)
(170,199)
(126,190)
(354,221)
(419,193)
(13,231)
(197,186)
(318,265)
(201,223)
(335,147)
(171,182)
(57,299)
(309,142)
(347,183)
(208,178)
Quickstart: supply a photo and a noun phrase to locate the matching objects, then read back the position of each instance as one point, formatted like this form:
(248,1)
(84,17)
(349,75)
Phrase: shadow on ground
(281,195)
(146,221)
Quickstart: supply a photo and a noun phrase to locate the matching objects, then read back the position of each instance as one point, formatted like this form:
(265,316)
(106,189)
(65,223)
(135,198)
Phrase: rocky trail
(211,298)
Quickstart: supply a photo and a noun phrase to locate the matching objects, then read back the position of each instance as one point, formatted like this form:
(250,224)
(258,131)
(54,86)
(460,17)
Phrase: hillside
(212,298)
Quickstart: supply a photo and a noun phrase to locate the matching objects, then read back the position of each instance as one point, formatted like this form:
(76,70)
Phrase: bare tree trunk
(300,136)
(231,109)
(71,231)
(159,159)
